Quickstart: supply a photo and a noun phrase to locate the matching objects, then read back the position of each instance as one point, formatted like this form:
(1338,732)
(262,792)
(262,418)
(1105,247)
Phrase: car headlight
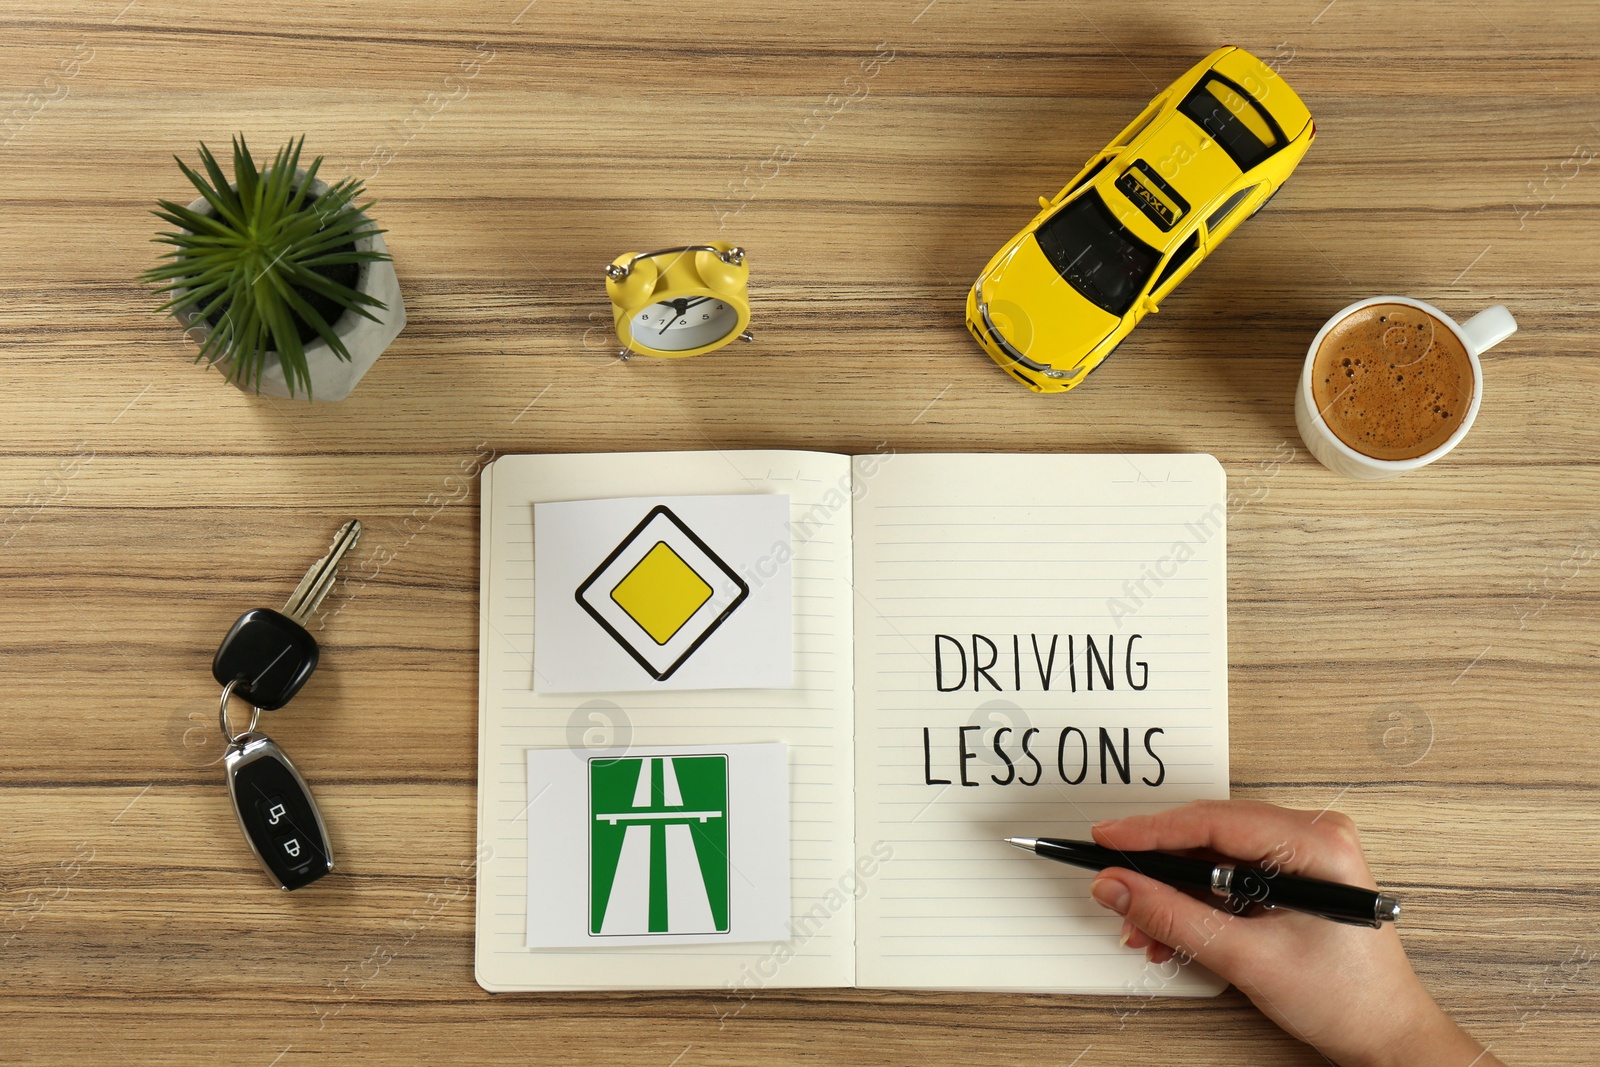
(1000,340)
(1008,348)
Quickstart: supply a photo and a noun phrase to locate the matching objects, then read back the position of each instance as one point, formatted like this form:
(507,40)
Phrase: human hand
(1348,991)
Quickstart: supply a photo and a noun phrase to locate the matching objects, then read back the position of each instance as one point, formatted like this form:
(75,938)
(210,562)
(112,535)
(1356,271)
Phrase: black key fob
(269,655)
(276,812)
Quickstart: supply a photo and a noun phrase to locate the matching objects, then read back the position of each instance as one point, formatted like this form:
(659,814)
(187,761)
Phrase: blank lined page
(1041,643)
(814,718)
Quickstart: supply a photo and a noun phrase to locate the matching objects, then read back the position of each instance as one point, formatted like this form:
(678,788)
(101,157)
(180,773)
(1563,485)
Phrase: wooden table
(1419,653)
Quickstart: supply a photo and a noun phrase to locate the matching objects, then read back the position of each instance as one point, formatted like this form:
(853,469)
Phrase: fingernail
(1110,893)
(1103,824)
(1127,932)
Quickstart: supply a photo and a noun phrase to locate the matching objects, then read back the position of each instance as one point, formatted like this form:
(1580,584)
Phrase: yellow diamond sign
(661,593)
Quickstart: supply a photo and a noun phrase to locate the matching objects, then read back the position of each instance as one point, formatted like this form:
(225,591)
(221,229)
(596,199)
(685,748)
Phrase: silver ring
(222,713)
(618,271)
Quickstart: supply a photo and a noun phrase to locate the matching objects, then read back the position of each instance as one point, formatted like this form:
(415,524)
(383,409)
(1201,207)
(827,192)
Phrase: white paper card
(680,845)
(687,592)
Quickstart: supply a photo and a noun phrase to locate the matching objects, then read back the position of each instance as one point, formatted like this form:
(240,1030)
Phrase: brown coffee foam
(1391,381)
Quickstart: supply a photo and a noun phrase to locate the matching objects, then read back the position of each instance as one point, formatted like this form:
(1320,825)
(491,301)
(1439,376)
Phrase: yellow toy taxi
(1206,154)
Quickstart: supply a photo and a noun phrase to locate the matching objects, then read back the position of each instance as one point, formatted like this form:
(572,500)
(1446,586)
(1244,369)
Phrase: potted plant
(283,280)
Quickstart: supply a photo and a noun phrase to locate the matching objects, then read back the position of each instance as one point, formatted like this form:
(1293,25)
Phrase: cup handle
(1488,328)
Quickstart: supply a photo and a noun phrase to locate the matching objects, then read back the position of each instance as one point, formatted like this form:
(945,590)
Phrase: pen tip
(1021,842)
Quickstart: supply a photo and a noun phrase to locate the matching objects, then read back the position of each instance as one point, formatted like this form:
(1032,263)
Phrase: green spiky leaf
(249,258)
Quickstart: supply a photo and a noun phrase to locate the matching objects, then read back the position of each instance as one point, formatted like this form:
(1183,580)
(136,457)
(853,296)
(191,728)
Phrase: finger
(1133,937)
(1244,829)
(1314,842)
(1159,953)
(1172,918)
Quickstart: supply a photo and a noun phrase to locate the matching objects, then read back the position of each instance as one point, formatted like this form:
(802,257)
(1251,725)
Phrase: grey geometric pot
(331,377)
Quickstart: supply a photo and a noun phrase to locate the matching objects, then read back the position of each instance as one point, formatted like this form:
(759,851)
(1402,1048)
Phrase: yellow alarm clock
(680,301)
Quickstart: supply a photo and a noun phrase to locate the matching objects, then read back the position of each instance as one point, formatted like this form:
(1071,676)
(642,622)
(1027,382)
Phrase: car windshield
(1244,131)
(1097,257)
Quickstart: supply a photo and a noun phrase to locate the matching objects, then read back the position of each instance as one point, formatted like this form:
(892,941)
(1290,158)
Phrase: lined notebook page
(814,718)
(1031,547)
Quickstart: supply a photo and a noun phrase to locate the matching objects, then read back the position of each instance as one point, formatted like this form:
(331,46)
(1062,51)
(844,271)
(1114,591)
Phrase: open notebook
(934,597)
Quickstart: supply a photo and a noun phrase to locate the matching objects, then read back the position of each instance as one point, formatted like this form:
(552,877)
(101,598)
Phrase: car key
(267,654)
(275,808)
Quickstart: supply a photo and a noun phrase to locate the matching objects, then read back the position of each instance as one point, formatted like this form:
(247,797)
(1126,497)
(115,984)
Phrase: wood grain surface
(517,147)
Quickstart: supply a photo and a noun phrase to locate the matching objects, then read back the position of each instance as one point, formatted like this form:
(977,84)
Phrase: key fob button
(274,811)
(293,848)
(269,655)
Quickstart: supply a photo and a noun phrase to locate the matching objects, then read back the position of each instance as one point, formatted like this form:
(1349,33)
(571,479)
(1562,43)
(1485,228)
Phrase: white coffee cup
(1477,335)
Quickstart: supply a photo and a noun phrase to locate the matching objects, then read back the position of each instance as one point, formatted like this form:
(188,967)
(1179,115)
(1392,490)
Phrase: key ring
(222,713)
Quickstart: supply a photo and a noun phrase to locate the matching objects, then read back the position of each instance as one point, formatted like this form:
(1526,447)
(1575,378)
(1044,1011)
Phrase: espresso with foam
(1391,381)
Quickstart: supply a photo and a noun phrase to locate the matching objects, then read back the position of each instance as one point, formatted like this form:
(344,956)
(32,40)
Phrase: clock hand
(682,306)
(671,306)
(688,304)
(679,306)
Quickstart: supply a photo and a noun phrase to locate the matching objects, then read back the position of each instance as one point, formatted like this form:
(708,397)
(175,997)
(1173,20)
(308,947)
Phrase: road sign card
(662,593)
(657,846)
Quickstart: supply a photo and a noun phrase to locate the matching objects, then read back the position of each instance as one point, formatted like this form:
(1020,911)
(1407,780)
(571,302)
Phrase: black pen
(1240,884)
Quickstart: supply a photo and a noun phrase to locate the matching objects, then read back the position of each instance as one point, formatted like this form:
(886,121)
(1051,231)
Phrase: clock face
(685,323)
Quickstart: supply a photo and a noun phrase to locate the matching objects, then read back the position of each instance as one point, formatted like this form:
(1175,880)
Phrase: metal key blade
(317,583)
